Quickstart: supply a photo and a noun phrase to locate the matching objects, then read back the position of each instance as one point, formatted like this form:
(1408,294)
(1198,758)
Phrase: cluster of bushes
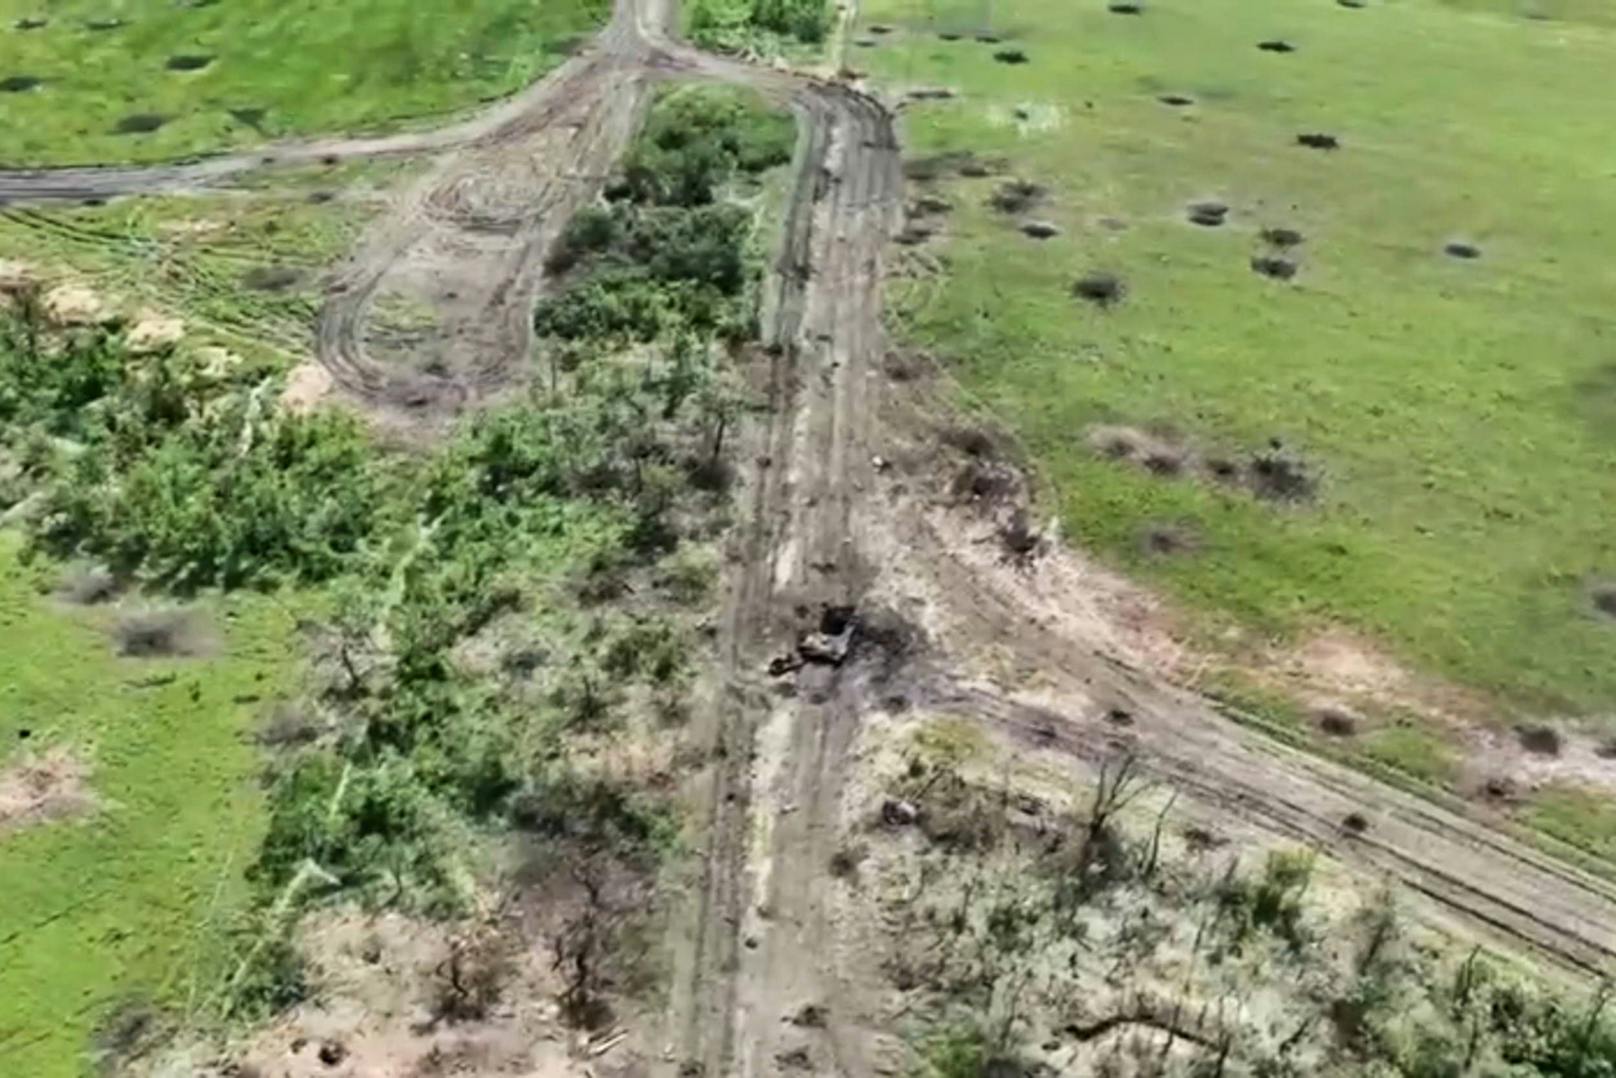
(176,474)
(758,25)
(668,254)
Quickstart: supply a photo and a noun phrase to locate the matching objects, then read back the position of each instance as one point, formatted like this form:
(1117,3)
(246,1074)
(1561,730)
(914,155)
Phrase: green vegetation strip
(1444,423)
(477,616)
(147,80)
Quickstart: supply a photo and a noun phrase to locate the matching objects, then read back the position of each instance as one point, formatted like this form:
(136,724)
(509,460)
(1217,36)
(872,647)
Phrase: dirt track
(449,275)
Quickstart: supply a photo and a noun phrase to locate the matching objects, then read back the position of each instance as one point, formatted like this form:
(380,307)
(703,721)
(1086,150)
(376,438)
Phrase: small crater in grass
(1539,739)
(1126,7)
(1276,45)
(1500,788)
(189,62)
(988,39)
(1223,470)
(1276,474)
(1039,230)
(1318,141)
(1355,823)
(1603,599)
(250,117)
(914,234)
(865,42)
(1010,56)
(17,84)
(949,35)
(1177,101)
(271,278)
(1016,196)
(141,123)
(1100,289)
(1461,249)
(1169,540)
(31,23)
(38,789)
(1354,4)
(1208,214)
(163,634)
(880,28)
(320,198)
(104,24)
(1335,722)
(1282,237)
(1274,267)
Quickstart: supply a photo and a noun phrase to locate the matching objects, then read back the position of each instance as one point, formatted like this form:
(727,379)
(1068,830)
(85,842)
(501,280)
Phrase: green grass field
(129,905)
(274,68)
(1460,415)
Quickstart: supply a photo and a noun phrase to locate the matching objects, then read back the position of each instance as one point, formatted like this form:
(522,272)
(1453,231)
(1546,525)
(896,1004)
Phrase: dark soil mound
(1319,141)
(1539,740)
(1208,214)
(16,84)
(271,278)
(1102,289)
(189,62)
(1010,56)
(1276,475)
(1126,8)
(1460,249)
(1176,100)
(1279,269)
(104,24)
(1017,196)
(1276,46)
(34,23)
(1039,230)
(1281,237)
(140,123)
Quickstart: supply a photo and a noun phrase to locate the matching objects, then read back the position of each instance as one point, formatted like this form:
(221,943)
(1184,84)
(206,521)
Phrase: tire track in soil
(467,246)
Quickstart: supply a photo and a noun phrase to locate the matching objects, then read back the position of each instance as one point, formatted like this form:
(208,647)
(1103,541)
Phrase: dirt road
(430,315)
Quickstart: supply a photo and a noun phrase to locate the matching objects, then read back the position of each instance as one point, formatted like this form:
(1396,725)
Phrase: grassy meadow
(222,75)
(128,906)
(1457,416)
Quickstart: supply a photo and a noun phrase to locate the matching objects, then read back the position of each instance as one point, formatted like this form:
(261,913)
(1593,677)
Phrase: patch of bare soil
(39,788)
(396,997)
(308,386)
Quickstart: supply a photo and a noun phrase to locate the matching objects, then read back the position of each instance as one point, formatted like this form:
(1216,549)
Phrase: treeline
(761,26)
